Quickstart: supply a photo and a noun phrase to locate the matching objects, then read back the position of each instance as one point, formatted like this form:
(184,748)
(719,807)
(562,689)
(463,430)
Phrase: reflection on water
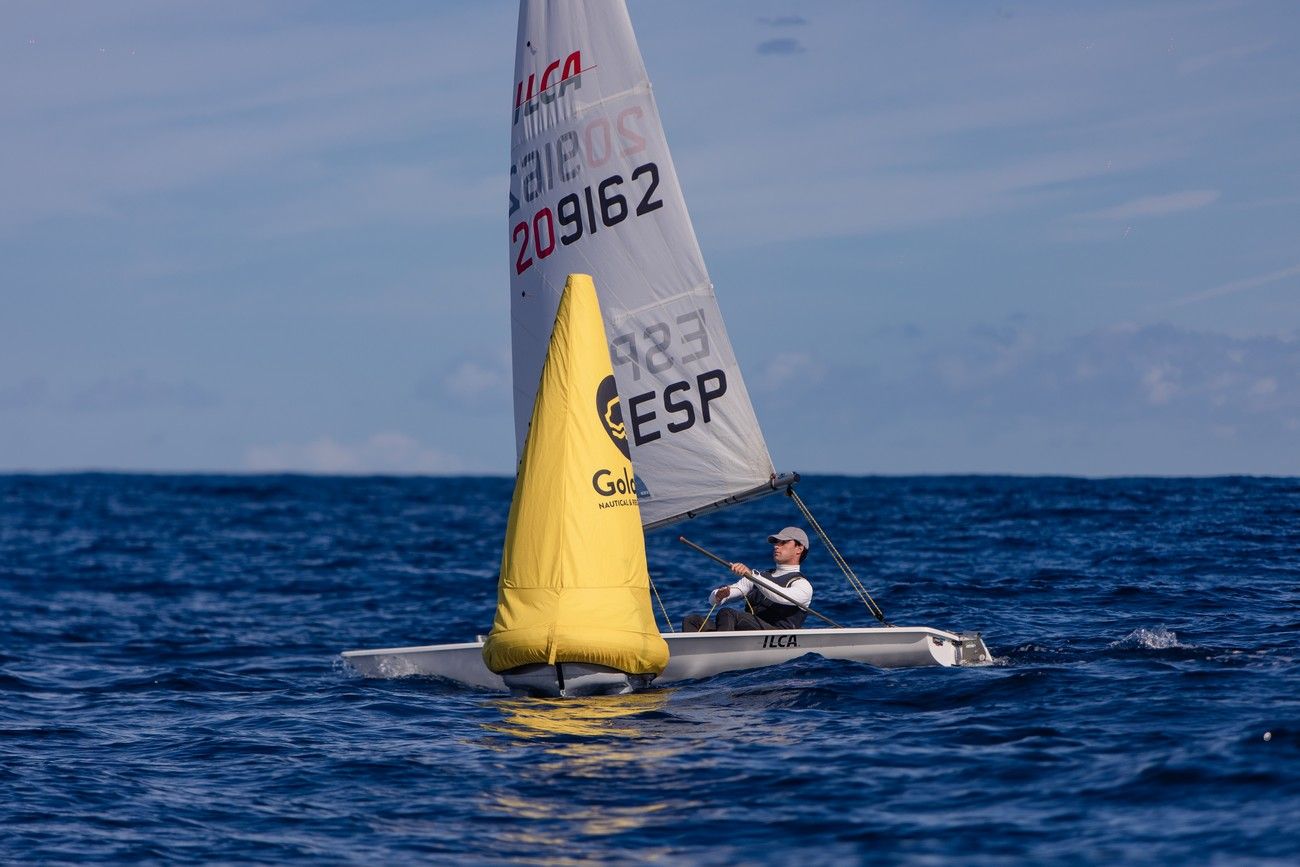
(593,716)
(594,764)
(590,736)
(607,767)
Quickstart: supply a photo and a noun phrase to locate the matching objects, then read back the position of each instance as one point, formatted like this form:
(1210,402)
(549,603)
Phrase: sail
(574,583)
(593,190)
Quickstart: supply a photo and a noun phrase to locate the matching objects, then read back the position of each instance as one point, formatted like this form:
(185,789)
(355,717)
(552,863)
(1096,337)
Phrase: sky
(971,237)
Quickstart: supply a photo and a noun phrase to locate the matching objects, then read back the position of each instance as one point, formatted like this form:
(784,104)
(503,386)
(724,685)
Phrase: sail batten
(593,189)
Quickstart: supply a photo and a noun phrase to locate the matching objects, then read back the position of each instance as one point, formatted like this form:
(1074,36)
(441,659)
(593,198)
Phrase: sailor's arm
(727,592)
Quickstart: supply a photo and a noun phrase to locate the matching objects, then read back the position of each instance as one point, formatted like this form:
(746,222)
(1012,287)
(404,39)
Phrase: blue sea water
(171,689)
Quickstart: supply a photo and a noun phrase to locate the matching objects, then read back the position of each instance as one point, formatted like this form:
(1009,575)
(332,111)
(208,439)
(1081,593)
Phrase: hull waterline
(692,656)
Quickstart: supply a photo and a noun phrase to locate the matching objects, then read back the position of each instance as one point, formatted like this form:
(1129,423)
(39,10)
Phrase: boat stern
(567,679)
(960,648)
(972,650)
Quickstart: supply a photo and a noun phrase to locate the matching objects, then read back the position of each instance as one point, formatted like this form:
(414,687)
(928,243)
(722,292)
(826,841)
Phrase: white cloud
(1155,206)
(790,370)
(1159,384)
(471,384)
(431,193)
(100,115)
(470,380)
(1142,400)
(382,453)
(1235,286)
(1127,372)
(1263,387)
(784,45)
(1221,56)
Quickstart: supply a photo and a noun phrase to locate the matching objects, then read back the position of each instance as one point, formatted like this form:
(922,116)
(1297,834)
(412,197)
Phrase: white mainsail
(593,190)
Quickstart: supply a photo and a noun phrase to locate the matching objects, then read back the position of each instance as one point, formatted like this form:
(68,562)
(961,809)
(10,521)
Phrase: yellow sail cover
(574,583)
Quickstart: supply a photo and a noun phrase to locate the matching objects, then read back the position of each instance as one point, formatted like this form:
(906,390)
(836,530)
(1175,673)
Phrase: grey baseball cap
(790,533)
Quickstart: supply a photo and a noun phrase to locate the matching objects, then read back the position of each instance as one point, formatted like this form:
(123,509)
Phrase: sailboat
(593,190)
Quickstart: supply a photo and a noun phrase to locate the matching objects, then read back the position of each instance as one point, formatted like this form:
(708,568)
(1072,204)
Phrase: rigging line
(655,590)
(836,557)
(853,579)
(707,616)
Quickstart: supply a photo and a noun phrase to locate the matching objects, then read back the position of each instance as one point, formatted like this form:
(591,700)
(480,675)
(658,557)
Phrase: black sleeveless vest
(777,612)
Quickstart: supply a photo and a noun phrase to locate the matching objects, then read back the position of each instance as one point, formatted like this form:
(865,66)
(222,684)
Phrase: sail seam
(705,289)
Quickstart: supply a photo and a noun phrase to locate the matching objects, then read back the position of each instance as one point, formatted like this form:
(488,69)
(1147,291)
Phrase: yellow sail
(574,583)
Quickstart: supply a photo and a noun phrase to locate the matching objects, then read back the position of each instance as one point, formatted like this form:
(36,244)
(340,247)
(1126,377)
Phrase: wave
(1158,638)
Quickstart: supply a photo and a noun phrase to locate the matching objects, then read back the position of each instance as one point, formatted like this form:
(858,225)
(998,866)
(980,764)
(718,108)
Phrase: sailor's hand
(720,595)
(740,569)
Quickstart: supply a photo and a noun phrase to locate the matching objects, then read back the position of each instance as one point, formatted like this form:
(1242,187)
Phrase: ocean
(172,690)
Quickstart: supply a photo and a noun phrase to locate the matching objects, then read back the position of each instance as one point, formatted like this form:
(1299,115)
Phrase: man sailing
(764,609)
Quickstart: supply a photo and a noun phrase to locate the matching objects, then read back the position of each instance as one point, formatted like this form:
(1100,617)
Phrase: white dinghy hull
(704,654)
(692,655)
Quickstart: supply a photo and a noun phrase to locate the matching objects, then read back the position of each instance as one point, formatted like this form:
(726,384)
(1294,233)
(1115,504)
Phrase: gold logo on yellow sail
(611,414)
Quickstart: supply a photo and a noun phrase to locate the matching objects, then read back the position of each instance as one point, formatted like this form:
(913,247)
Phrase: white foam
(1152,639)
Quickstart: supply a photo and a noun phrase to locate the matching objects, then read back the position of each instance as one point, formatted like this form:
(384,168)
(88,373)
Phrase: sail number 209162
(586,212)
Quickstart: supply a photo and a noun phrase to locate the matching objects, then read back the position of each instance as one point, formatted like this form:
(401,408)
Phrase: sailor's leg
(727,619)
(743,620)
(692,623)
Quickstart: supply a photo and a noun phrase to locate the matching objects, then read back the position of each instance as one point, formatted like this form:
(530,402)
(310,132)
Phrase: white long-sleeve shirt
(800,590)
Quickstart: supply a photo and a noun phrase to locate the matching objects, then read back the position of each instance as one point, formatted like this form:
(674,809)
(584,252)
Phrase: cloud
(1263,387)
(1158,384)
(393,193)
(1125,373)
(1014,120)
(1013,398)
(381,454)
(1235,286)
(1223,55)
(788,371)
(784,21)
(471,384)
(470,380)
(176,109)
(1155,206)
(137,391)
(784,45)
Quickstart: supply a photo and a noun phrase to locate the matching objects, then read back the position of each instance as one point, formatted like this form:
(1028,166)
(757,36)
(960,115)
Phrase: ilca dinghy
(593,191)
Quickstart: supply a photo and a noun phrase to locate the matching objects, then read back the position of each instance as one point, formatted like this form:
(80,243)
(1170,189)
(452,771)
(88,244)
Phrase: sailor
(764,608)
